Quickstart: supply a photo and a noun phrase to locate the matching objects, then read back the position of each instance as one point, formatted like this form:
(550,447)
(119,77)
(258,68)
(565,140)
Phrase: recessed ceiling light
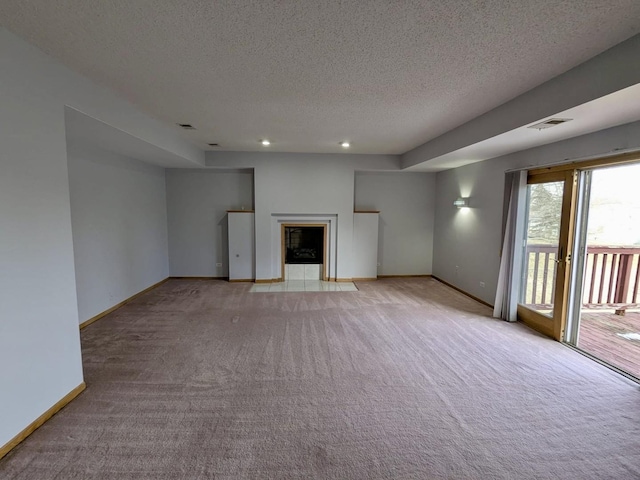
(345,144)
(265,142)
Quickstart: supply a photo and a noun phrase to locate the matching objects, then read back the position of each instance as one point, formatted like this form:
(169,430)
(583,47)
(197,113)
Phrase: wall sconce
(462,202)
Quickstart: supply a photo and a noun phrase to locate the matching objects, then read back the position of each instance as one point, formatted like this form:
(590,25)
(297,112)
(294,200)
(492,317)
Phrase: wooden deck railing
(612,275)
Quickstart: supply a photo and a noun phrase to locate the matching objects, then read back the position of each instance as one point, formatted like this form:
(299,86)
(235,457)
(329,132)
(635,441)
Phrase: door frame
(579,261)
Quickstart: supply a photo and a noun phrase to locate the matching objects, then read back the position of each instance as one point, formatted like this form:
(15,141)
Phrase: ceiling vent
(186,126)
(552,122)
(213,144)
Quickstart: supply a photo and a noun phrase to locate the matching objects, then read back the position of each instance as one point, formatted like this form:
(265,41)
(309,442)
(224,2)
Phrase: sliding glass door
(546,252)
(580,273)
(605,308)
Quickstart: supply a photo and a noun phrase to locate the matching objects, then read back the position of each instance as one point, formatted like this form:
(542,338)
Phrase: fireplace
(304,244)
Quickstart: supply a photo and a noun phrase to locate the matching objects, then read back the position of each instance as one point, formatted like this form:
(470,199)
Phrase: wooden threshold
(364,279)
(38,422)
(479,300)
(86,323)
(533,321)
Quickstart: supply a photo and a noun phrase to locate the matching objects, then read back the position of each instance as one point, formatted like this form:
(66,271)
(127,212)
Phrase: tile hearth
(304,286)
(303,272)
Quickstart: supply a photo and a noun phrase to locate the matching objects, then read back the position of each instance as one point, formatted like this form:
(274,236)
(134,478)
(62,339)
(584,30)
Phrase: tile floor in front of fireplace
(304,286)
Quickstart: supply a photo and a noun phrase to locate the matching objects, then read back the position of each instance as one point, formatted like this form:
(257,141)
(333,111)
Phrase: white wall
(119,221)
(197,204)
(299,184)
(303,186)
(469,239)
(39,339)
(406,202)
(39,336)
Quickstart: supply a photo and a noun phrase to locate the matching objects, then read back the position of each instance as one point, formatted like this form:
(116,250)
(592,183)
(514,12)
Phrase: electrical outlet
(481,284)
(218,264)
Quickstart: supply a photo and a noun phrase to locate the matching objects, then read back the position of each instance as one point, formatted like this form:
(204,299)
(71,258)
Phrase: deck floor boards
(600,335)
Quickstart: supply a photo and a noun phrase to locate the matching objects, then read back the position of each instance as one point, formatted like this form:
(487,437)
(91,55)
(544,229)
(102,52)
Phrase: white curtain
(506,302)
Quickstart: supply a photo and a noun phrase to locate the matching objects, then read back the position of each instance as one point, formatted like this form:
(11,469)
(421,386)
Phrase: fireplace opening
(304,245)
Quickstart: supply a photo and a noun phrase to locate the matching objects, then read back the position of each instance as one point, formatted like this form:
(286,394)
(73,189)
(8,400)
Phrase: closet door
(241,246)
(365,246)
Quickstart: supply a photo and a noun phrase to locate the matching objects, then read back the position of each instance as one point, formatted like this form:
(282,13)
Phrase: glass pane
(544,209)
(610,314)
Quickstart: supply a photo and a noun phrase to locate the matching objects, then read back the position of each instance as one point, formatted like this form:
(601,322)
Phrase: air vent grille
(552,122)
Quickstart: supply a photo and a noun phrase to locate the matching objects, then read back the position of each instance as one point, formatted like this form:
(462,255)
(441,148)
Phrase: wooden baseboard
(405,276)
(38,422)
(86,323)
(199,278)
(462,291)
(364,279)
(240,280)
(263,280)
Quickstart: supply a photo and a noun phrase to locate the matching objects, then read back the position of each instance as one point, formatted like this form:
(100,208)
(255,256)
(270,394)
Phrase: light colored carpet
(403,379)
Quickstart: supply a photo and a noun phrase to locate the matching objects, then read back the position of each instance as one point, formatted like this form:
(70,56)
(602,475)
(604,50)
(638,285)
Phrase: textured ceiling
(386,75)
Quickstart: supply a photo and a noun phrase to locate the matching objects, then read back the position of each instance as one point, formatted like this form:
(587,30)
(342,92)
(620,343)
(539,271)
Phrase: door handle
(560,258)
